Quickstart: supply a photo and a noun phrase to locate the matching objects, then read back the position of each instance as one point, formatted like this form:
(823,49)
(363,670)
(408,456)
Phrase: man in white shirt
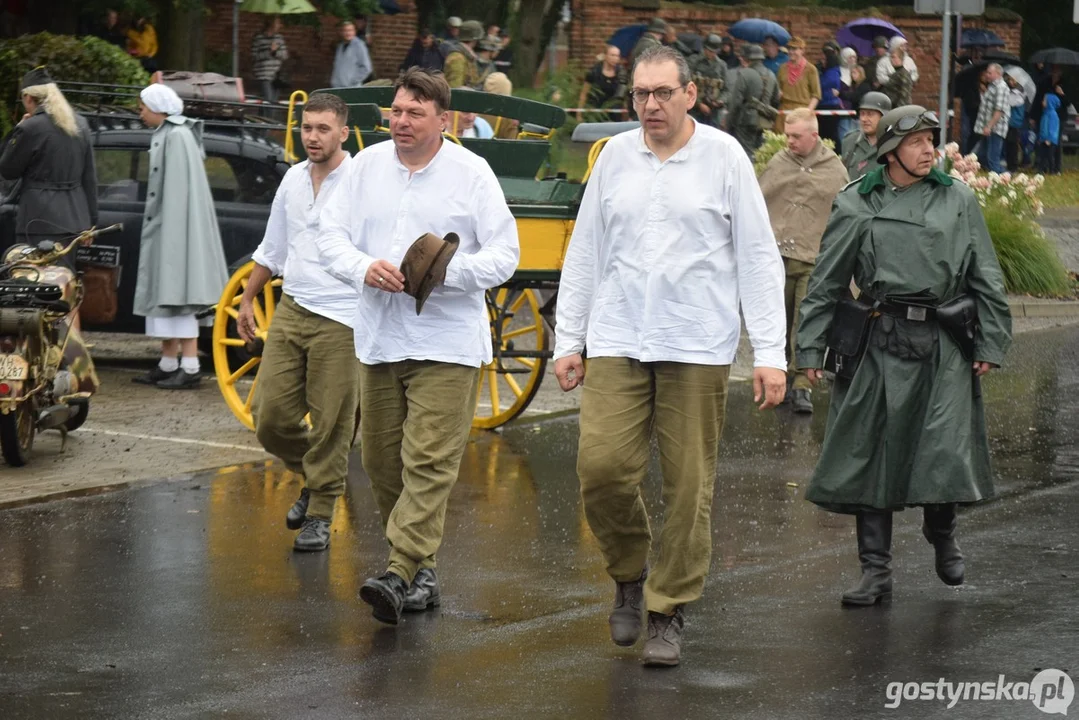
(671,239)
(419,369)
(308,364)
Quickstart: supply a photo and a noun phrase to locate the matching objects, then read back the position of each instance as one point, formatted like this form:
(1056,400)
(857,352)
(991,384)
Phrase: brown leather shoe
(664,645)
(625,619)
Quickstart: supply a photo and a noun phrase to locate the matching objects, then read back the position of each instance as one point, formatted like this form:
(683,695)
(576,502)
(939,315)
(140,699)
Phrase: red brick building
(311,48)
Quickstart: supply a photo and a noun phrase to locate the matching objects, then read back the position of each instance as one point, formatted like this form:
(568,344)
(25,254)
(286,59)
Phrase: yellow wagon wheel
(237,369)
(509,383)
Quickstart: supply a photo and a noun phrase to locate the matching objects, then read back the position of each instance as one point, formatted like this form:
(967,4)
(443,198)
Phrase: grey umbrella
(1055,56)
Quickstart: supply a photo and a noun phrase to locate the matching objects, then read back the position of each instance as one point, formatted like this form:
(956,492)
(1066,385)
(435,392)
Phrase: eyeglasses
(909,122)
(640,97)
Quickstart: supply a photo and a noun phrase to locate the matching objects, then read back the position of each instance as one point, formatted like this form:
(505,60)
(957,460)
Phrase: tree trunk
(532,30)
(181,38)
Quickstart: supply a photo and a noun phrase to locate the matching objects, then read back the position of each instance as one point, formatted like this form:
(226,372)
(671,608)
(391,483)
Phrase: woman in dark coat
(51,154)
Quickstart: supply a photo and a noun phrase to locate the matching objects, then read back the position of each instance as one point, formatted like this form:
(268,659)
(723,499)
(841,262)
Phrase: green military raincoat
(909,429)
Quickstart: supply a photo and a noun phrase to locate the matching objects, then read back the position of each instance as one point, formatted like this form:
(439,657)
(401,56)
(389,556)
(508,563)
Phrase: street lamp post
(945,71)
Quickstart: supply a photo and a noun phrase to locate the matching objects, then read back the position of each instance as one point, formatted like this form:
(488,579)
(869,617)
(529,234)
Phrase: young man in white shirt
(419,366)
(671,238)
(308,364)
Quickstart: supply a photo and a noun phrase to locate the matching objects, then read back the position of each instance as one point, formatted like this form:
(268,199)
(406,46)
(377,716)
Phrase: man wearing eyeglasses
(671,239)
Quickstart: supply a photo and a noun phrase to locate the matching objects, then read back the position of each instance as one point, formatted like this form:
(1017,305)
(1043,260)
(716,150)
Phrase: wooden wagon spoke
(232,342)
(260,316)
(513,385)
(237,299)
(520,331)
(492,380)
(232,312)
(530,364)
(270,301)
(251,395)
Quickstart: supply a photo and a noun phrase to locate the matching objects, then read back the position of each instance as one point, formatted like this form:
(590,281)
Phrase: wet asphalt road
(184,600)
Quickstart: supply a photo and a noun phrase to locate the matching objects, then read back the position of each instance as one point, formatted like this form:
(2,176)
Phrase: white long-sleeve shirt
(885,69)
(288,247)
(663,254)
(379,210)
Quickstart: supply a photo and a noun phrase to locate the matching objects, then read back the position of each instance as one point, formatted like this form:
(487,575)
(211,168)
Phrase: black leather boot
(424,593)
(875,554)
(298,511)
(664,645)
(386,596)
(314,537)
(939,529)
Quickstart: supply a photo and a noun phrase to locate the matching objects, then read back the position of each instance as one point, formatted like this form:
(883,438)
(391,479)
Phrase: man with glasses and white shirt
(672,238)
(308,364)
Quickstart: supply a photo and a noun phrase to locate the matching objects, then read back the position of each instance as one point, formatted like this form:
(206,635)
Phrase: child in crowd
(1049,136)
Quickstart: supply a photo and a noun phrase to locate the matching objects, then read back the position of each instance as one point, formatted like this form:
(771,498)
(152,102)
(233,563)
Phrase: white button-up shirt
(664,253)
(379,210)
(288,247)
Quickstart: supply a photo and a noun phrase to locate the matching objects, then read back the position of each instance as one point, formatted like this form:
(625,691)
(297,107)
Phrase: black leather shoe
(314,536)
(386,596)
(424,592)
(153,377)
(180,380)
(296,514)
(625,618)
(802,401)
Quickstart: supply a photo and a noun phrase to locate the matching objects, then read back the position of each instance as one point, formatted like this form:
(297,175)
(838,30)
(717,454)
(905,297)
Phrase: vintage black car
(244,164)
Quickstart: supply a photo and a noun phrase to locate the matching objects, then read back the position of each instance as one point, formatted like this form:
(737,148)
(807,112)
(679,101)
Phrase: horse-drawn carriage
(521,311)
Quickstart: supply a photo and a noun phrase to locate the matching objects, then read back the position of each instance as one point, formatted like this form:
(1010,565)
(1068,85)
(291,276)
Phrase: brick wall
(595,20)
(310,48)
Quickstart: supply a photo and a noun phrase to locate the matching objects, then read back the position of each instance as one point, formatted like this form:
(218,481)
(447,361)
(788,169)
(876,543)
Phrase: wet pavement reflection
(184,600)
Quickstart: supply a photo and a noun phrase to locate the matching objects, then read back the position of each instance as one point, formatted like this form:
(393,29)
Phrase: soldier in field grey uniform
(710,76)
(860,146)
(749,93)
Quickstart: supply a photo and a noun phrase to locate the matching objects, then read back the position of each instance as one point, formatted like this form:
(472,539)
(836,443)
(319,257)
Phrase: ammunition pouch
(848,335)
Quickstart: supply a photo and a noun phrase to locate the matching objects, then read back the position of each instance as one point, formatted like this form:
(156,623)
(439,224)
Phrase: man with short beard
(308,365)
(671,240)
(419,358)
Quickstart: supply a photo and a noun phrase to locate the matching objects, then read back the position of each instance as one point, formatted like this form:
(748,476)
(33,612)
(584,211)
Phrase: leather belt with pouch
(958,317)
(848,335)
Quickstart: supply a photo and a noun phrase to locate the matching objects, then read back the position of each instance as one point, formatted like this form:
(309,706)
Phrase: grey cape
(182,265)
(909,429)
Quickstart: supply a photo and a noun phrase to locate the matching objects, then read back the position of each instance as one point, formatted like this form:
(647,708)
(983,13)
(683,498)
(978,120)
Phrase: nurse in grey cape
(182,266)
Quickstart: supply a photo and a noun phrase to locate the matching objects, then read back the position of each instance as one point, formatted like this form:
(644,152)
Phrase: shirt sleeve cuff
(770,359)
(260,257)
(453,273)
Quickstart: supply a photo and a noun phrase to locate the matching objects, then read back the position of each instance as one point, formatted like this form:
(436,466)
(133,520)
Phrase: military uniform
(710,76)
(743,121)
(859,155)
(58,197)
(460,68)
(908,427)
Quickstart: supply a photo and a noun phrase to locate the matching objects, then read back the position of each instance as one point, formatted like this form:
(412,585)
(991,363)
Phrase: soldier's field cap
(880,42)
(454,21)
(713,42)
(657,25)
(471,30)
(488,45)
(37,76)
(752,51)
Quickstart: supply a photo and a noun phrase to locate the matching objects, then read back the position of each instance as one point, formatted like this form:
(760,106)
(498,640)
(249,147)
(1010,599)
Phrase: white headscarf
(162,99)
(847,57)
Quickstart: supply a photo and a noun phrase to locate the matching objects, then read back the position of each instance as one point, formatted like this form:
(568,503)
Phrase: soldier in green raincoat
(908,428)
(709,74)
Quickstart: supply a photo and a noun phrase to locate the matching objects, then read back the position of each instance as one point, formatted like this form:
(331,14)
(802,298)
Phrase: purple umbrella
(859,34)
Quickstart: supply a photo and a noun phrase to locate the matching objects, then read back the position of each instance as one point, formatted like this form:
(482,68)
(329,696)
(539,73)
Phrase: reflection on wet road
(184,600)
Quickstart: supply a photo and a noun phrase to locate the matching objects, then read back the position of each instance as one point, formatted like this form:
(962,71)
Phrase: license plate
(13,367)
(102,255)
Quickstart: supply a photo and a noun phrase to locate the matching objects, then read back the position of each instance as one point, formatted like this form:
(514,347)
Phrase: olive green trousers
(415,419)
(309,365)
(623,401)
(798,273)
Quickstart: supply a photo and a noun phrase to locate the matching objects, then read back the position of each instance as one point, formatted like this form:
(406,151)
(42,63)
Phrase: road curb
(1039,308)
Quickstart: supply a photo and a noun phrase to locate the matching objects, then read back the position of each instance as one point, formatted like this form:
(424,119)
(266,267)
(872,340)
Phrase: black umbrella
(967,78)
(1055,56)
(691,40)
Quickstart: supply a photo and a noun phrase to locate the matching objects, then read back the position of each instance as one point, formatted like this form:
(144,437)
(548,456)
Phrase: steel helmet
(905,120)
(876,101)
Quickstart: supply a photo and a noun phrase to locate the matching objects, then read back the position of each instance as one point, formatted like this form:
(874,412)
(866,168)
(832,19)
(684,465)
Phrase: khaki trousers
(622,401)
(414,424)
(309,365)
(798,273)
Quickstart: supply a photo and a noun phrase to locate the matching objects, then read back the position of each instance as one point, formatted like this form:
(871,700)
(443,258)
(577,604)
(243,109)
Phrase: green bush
(1027,258)
(69,59)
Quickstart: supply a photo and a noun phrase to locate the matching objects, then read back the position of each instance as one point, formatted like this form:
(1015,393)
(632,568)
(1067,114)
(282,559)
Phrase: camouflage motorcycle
(46,374)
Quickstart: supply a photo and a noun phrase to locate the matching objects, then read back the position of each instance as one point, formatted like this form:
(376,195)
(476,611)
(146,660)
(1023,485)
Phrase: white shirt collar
(681,155)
